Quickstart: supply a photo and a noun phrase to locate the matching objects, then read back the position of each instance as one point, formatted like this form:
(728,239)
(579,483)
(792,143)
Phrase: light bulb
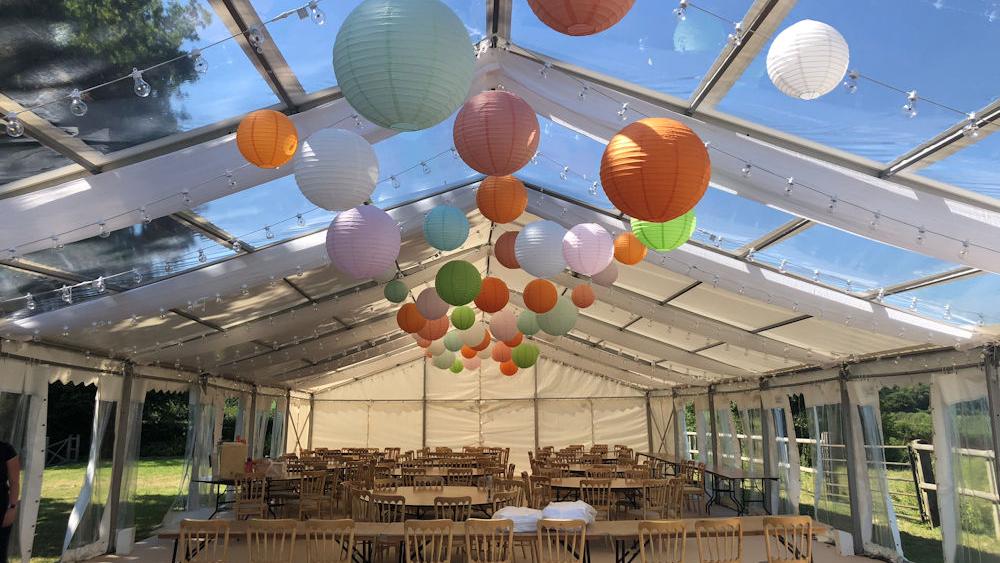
(268,233)
(140,86)
(146,219)
(315,14)
(14,126)
(137,277)
(623,112)
(394,182)
(564,173)
(163,313)
(426,169)
(681,10)
(29,302)
(747,168)
(299,220)
(67,294)
(200,64)
(851,83)
(736,37)
(237,246)
(789,184)
(256,39)
(244,290)
(99,285)
(104,232)
(201,256)
(910,107)
(971,127)
(65,331)
(77,106)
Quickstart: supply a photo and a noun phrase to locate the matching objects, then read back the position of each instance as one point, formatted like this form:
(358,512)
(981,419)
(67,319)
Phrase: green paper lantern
(463,317)
(458,282)
(560,319)
(456,366)
(403,64)
(524,355)
(396,291)
(453,341)
(444,360)
(663,237)
(527,322)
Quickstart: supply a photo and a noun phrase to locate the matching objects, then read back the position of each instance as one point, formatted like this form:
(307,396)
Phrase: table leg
(173,557)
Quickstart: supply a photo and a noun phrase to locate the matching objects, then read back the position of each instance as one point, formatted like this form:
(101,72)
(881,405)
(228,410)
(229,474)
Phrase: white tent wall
(664,421)
(299,429)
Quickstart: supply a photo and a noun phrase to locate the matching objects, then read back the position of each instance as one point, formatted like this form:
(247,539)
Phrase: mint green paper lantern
(663,237)
(444,360)
(457,366)
(527,322)
(396,291)
(463,317)
(403,64)
(560,319)
(453,341)
(524,355)
(446,227)
(458,282)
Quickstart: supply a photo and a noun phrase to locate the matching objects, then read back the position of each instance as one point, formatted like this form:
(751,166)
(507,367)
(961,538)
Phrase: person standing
(10,491)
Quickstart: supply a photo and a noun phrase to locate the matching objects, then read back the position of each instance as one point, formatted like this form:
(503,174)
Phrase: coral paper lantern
(561,319)
(580,17)
(472,363)
(363,242)
(458,282)
(536,248)
(493,295)
(503,250)
(807,60)
(496,132)
(503,325)
(527,323)
(588,248)
(583,296)
(501,199)
(666,236)
(403,64)
(267,138)
(409,318)
(468,352)
(430,304)
(524,355)
(463,317)
(540,296)
(446,227)
(396,291)
(435,328)
(422,342)
(606,277)
(516,341)
(629,250)
(508,368)
(336,169)
(655,169)
(501,352)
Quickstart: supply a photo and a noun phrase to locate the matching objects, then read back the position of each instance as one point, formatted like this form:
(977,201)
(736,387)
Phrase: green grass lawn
(157,480)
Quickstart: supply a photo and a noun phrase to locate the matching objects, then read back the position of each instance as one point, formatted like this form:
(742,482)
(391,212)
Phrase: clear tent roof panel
(729,222)
(25,157)
(961,301)
(973,167)
(14,284)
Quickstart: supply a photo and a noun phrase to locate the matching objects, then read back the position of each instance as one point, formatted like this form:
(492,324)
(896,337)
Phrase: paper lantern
(474,335)
(580,17)
(501,199)
(484,342)
(501,352)
(666,236)
(655,169)
(536,248)
(458,282)
(493,295)
(435,328)
(462,317)
(267,138)
(336,169)
(503,250)
(430,304)
(446,227)
(606,277)
(363,242)
(483,354)
(396,291)
(516,341)
(403,64)
(457,366)
(496,133)
(422,342)
(588,248)
(629,250)
(508,368)
(583,296)
(503,325)
(468,352)
(525,355)
(561,319)
(527,323)
(409,318)
(472,363)
(444,360)
(436,347)
(386,276)
(453,341)
(807,59)
(540,296)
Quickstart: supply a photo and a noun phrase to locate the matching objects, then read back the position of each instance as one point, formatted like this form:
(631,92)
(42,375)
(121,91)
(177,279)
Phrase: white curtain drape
(703,426)
(784,454)
(194,498)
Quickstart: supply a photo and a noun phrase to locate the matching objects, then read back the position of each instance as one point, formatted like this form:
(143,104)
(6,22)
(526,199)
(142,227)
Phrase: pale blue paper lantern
(446,228)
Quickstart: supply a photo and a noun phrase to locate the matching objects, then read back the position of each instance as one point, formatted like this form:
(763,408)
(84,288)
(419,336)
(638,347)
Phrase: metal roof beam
(925,281)
(948,142)
(51,136)
(498,21)
(789,229)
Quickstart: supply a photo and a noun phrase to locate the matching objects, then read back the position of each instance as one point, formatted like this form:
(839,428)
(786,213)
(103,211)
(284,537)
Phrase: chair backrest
(720,540)
(675,496)
(788,538)
(387,508)
(601,471)
(460,475)
(385,485)
(456,509)
(427,541)
(204,541)
(561,541)
(541,491)
(428,482)
(489,541)
(251,488)
(596,493)
(312,484)
(656,495)
(506,498)
(408,473)
(661,541)
(271,541)
(329,541)
(360,503)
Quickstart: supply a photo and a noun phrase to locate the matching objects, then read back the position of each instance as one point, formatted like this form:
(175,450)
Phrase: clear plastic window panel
(969,300)
(16,284)
(973,167)
(970,441)
(885,530)
(23,157)
(729,222)
(831,492)
(786,504)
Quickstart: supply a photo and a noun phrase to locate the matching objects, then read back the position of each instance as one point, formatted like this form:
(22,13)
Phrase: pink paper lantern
(503,325)
(430,304)
(496,132)
(606,277)
(472,363)
(363,242)
(588,248)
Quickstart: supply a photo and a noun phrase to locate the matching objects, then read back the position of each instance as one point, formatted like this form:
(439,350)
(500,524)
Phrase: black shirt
(7,453)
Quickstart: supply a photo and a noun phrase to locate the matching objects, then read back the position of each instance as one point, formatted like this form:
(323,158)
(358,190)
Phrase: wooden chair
(561,541)
(387,508)
(385,486)
(251,497)
(597,493)
(427,541)
(329,541)
(788,539)
(720,540)
(541,491)
(312,494)
(408,473)
(460,476)
(502,499)
(203,541)
(661,541)
(271,541)
(489,541)
(695,494)
(601,472)
(456,509)
(428,483)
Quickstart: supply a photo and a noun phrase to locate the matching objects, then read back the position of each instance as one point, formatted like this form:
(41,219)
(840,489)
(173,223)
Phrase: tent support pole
(122,432)
(766,438)
(534,402)
(649,424)
(712,425)
(288,418)
(312,405)
(850,447)
(993,396)
(680,426)
(423,410)
(252,434)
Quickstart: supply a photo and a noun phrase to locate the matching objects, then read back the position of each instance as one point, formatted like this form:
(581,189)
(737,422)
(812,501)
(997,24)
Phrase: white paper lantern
(807,60)
(336,169)
(437,348)
(363,242)
(537,249)
(430,304)
(444,359)
(473,335)
(484,354)
(503,325)
(588,248)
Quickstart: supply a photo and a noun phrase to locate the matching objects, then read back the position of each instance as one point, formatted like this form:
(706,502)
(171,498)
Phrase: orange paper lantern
(496,132)
(629,250)
(267,138)
(501,199)
(468,352)
(583,296)
(493,295)
(580,17)
(503,249)
(508,368)
(540,296)
(655,169)
(513,342)
(409,318)
(501,353)
(435,328)
(484,343)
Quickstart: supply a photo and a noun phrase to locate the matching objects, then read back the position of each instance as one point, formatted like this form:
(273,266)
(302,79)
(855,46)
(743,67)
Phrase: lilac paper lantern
(363,242)
(503,325)
(606,277)
(588,248)
(430,304)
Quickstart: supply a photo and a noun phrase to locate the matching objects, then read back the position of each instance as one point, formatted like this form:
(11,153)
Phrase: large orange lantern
(267,138)
(501,353)
(580,17)
(629,250)
(540,296)
(514,342)
(655,169)
(493,295)
(508,368)
(496,132)
(484,343)
(409,318)
(503,249)
(583,296)
(468,352)
(501,199)
(435,328)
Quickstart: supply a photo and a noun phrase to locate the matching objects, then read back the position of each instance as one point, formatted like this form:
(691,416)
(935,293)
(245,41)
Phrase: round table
(424,498)
(581,469)
(438,472)
(617,483)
